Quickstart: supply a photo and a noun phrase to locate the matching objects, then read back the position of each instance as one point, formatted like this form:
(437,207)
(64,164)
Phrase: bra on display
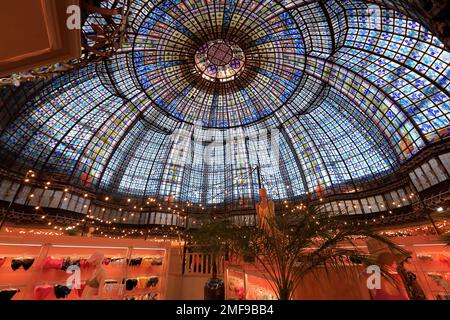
(61,292)
(135,262)
(25,263)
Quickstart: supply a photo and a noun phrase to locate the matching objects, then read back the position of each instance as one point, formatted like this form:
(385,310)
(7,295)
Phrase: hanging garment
(117,261)
(75,262)
(131,284)
(61,292)
(135,262)
(25,263)
(66,264)
(147,261)
(42,292)
(6,295)
(53,263)
(84,263)
(152,282)
(110,286)
(157,261)
(142,282)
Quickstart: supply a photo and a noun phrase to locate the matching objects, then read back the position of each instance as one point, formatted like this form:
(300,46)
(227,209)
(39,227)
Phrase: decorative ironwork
(104,29)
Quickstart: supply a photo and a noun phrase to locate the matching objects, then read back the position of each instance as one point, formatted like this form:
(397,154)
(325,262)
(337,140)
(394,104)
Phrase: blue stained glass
(352,104)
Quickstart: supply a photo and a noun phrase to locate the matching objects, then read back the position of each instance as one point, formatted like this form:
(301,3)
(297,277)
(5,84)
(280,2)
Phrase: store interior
(224,150)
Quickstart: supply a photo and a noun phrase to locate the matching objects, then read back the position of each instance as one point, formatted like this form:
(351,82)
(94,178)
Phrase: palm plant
(212,238)
(292,246)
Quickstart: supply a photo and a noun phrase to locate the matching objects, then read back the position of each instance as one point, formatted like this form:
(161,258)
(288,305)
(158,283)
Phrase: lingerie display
(62,292)
(138,286)
(131,284)
(8,294)
(135,262)
(42,292)
(143,282)
(25,263)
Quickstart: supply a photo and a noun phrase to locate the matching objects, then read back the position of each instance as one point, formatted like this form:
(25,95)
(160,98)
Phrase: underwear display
(42,292)
(53,263)
(157,262)
(147,261)
(61,292)
(25,263)
(142,282)
(110,286)
(117,261)
(75,262)
(8,294)
(66,264)
(131,284)
(84,263)
(152,282)
(135,262)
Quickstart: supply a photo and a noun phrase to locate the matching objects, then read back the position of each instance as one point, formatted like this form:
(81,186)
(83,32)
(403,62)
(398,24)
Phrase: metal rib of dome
(352,102)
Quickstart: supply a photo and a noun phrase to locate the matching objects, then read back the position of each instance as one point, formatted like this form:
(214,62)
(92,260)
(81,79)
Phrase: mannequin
(265,210)
(95,284)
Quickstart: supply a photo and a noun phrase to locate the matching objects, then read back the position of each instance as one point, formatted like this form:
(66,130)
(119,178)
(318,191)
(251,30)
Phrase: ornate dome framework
(352,100)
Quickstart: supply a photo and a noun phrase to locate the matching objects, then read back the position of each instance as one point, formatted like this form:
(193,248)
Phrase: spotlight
(440,209)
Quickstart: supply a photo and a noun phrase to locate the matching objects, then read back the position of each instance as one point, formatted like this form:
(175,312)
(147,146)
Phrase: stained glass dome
(351,90)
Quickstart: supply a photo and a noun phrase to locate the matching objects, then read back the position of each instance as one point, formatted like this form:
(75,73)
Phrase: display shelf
(431,264)
(115,258)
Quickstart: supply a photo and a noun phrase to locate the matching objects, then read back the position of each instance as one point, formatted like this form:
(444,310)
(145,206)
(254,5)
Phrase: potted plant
(211,238)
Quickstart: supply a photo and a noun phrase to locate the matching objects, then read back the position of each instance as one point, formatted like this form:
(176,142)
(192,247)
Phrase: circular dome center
(220,54)
(220,61)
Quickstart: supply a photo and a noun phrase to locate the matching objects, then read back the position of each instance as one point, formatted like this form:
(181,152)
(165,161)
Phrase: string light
(188,204)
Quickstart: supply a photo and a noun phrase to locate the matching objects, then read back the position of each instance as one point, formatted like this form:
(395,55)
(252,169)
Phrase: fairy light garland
(137,208)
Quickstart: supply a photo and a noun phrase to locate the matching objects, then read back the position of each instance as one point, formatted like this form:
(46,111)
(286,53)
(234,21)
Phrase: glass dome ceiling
(350,96)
